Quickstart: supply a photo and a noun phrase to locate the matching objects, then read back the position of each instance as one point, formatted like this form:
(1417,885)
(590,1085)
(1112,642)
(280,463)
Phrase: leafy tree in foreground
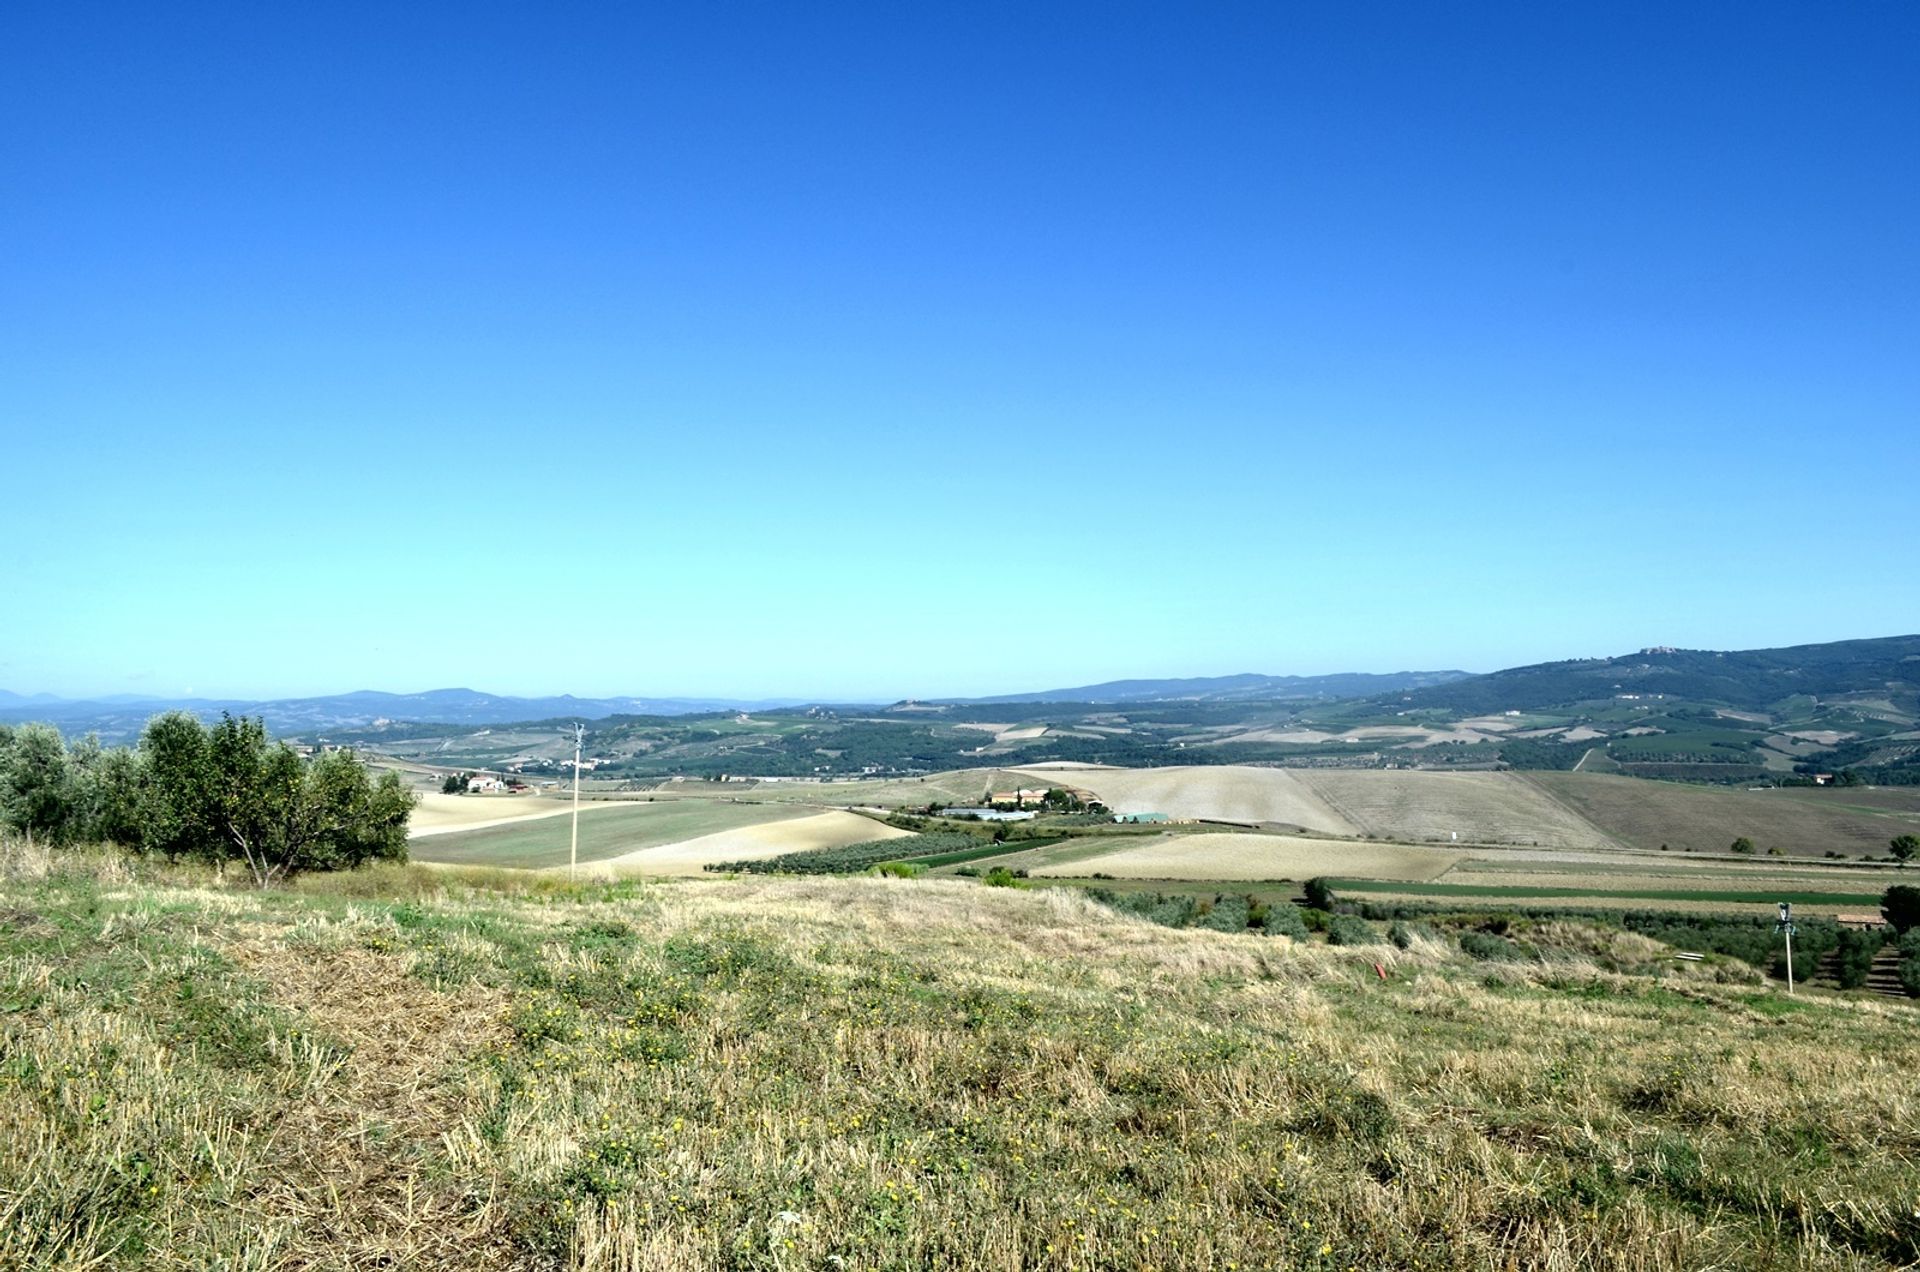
(36,783)
(226,793)
(106,793)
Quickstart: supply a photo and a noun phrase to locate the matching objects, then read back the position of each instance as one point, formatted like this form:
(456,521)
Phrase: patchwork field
(1230,856)
(1800,821)
(958,786)
(831,829)
(610,830)
(1228,792)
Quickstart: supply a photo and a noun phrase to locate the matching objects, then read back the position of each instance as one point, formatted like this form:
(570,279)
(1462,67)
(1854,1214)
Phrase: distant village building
(481,784)
(1861,922)
(1140,818)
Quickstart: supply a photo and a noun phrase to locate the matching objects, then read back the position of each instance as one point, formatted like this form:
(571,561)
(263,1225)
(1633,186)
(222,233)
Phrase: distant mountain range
(1753,680)
(1247,687)
(122,716)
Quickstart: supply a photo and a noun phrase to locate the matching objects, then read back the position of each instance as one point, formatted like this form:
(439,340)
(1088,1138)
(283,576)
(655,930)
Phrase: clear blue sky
(906,349)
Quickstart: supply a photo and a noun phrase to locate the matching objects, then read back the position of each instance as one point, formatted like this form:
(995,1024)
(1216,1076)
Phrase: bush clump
(1346,929)
(1488,947)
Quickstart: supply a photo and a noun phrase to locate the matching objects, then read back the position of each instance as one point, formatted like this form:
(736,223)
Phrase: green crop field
(604,833)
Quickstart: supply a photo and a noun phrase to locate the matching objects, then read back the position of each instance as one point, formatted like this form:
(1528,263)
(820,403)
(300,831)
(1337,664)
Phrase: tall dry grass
(415,1068)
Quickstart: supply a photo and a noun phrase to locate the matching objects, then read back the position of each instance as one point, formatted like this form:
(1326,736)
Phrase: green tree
(226,793)
(1900,906)
(454,784)
(1743,845)
(1905,846)
(36,784)
(106,792)
(1319,894)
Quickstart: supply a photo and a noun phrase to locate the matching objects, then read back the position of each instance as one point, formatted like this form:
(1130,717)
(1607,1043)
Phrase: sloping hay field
(1646,814)
(1228,792)
(1229,856)
(438,814)
(749,843)
(613,830)
(1481,808)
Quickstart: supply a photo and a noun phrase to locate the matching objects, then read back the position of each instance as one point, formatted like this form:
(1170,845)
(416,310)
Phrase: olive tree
(226,793)
(36,783)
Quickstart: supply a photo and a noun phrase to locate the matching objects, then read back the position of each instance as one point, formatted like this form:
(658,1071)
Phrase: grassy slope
(606,832)
(414,1066)
(1646,814)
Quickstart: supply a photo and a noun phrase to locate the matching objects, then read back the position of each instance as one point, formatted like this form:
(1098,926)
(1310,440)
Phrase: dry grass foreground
(409,1068)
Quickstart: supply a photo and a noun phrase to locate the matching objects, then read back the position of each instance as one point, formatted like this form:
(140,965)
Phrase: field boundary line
(1576,814)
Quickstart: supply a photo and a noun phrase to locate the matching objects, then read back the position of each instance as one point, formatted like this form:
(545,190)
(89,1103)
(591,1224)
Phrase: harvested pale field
(1227,792)
(1806,822)
(750,843)
(1231,856)
(614,829)
(1484,808)
(1296,737)
(437,814)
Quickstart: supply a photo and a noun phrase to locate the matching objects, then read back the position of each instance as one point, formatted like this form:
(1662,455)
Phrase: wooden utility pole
(573,849)
(1786,925)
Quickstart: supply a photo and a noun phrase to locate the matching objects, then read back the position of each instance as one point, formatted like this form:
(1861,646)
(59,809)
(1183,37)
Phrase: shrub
(1285,919)
(1346,929)
(1487,947)
(1853,959)
(1403,934)
(1743,845)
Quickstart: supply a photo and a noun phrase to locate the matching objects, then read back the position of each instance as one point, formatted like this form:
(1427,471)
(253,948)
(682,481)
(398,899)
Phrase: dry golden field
(1225,792)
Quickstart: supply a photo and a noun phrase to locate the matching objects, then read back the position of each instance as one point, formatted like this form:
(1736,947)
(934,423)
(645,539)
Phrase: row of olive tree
(219,794)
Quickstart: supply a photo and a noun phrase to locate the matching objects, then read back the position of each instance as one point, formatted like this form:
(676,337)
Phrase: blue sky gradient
(872,351)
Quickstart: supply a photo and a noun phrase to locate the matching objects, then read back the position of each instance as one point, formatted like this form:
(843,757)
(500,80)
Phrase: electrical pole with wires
(573,849)
(1786,925)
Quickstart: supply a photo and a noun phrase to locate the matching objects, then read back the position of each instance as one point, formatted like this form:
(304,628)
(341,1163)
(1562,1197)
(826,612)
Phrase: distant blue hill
(1248,687)
(121,717)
